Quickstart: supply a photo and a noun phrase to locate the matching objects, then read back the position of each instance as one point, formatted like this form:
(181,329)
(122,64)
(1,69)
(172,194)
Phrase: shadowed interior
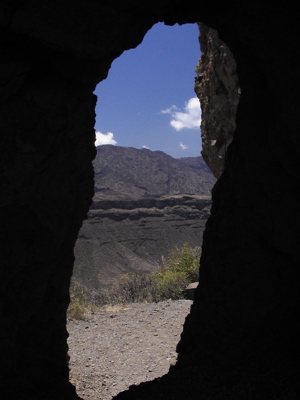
(243,328)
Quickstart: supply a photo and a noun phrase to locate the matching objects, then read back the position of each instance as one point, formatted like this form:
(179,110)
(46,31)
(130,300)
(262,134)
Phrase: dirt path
(119,347)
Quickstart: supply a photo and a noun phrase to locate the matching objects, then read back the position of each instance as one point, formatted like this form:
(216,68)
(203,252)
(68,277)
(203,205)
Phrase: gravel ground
(122,346)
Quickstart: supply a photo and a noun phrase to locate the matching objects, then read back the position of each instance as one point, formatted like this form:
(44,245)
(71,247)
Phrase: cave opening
(242,331)
(162,71)
(114,236)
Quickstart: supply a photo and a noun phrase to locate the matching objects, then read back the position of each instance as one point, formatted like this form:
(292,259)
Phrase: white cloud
(189,118)
(145,147)
(169,110)
(102,138)
(183,146)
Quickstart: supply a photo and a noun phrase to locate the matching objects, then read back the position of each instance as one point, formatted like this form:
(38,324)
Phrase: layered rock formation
(122,237)
(146,203)
(242,333)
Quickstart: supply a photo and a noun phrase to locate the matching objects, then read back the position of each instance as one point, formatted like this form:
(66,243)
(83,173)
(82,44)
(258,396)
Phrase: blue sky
(148,99)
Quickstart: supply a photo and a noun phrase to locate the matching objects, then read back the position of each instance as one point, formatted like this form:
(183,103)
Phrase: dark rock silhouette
(240,340)
(217,87)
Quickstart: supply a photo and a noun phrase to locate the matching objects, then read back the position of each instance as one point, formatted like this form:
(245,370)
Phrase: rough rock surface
(244,319)
(217,88)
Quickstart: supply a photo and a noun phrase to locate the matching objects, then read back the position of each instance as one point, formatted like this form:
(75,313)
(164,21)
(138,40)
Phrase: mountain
(197,163)
(146,203)
(129,172)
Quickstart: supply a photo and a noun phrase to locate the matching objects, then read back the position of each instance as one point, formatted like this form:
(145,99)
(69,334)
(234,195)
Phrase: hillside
(126,171)
(146,203)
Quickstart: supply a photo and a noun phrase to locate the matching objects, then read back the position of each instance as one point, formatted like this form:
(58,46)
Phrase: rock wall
(217,88)
(244,318)
(244,315)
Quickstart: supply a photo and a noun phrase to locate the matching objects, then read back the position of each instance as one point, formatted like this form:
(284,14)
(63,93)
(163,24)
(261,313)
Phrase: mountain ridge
(136,173)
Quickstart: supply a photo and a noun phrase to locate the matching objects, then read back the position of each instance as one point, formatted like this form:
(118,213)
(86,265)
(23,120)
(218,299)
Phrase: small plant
(170,285)
(77,307)
(131,288)
(180,269)
(184,259)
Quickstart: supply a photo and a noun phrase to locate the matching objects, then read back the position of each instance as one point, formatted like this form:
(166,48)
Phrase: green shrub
(180,269)
(170,285)
(184,259)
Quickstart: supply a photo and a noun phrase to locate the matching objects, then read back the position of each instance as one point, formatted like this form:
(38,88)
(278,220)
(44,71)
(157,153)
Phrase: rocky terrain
(132,225)
(118,347)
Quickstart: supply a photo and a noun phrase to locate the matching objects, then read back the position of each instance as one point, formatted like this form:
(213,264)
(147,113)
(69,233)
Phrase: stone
(218,90)
(190,290)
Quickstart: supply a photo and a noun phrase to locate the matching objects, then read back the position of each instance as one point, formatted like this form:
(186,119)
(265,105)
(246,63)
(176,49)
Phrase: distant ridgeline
(133,173)
(146,203)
